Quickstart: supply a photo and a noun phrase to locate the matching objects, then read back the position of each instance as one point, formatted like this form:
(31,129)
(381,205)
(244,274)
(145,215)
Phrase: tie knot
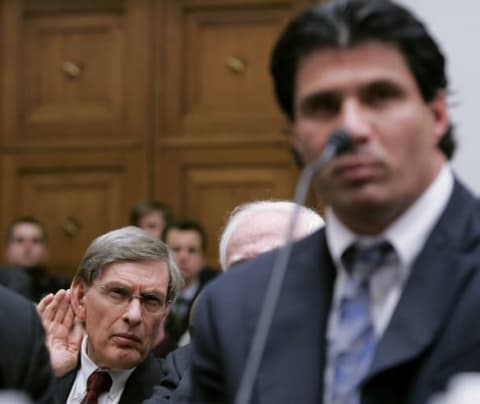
(98,383)
(362,260)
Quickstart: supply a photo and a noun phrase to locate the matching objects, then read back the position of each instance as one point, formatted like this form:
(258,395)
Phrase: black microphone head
(341,140)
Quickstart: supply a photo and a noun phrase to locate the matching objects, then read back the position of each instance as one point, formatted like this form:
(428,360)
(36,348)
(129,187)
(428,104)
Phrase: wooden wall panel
(207,183)
(172,101)
(76,77)
(78,197)
(219,141)
(211,193)
(218,66)
(73,70)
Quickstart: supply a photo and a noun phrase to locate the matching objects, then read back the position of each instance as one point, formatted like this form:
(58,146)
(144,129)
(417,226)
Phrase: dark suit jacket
(139,385)
(24,359)
(175,383)
(174,330)
(33,283)
(433,334)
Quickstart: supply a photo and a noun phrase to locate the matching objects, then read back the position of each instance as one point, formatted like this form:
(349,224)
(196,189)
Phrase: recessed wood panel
(211,193)
(76,206)
(223,50)
(76,77)
(73,70)
(207,184)
(77,197)
(226,68)
(107,102)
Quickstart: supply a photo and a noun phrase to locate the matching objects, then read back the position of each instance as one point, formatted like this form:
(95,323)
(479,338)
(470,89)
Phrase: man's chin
(364,200)
(126,359)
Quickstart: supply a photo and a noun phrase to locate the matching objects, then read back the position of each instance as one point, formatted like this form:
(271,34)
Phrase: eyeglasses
(122,296)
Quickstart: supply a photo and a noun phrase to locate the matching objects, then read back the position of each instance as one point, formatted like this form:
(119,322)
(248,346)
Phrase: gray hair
(128,244)
(308,220)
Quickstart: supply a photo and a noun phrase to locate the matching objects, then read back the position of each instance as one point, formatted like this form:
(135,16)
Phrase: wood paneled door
(109,102)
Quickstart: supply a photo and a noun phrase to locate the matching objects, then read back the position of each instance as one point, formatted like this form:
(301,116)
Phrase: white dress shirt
(407,235)
(87,367)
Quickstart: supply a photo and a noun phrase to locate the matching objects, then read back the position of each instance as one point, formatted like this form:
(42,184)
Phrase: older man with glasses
(121,293)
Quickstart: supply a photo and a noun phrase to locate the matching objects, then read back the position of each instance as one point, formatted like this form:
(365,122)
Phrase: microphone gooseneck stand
(339,142)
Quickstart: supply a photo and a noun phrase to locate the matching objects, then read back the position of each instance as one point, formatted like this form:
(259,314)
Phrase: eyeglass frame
(126,295)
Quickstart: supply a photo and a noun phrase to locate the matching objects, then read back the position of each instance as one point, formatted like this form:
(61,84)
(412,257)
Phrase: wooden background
(104,103)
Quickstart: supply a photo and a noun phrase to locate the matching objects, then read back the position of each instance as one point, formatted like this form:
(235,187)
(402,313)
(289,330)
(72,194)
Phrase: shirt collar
(189,293)
(408,233)
(87,367)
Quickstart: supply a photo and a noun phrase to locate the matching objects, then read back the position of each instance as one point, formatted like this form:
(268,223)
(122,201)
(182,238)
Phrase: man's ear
(165,315)
(441,119)
(78,294)
(297,157)
(294,147)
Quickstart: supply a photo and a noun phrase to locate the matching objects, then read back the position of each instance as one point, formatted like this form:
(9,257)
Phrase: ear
(441,118)
(295,145)
(166,312)
(77,298)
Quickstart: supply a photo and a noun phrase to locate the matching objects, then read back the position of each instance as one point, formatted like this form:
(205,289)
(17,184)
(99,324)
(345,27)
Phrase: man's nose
(133,312)
(182,256)
(355,120)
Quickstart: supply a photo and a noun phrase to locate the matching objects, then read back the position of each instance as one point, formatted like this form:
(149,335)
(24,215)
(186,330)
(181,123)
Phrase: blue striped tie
(352,349)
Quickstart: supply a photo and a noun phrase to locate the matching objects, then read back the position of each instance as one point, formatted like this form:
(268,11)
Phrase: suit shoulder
(14,306)
(250,279)
(150,370)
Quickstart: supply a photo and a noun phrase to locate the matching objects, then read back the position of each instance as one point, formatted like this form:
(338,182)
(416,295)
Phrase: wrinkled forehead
(143,274)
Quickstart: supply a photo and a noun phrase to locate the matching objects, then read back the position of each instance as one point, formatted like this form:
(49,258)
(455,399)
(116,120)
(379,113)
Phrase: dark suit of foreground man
(370,68)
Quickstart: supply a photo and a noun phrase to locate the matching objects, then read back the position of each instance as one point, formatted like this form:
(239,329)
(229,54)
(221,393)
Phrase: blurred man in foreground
(381,306)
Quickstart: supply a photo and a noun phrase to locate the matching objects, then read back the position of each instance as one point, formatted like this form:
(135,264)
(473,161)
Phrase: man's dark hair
(25,220)
(187,225)
(144,208)
(347,23)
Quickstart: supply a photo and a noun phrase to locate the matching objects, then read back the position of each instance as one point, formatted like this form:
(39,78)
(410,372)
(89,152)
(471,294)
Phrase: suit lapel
(63,385)
(438,276)
(140,384)
(133,391)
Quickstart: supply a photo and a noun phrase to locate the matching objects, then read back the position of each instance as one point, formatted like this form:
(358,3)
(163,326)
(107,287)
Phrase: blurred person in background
(26,257)
(151,216)
(187,240)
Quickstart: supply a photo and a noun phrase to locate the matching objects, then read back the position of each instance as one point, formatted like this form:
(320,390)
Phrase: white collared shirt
(407,235)
(190,292)
(87,367)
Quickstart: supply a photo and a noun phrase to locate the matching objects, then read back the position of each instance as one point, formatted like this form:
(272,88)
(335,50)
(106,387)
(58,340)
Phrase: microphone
(339,142)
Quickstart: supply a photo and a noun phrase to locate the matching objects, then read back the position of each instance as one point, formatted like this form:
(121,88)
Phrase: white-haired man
(251,229)
(260,226)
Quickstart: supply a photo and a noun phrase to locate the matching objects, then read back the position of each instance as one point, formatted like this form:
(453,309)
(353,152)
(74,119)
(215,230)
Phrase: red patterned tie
(98,382)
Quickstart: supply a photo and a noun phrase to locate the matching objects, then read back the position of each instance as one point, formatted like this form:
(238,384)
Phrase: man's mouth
(127,339)
(354,169)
